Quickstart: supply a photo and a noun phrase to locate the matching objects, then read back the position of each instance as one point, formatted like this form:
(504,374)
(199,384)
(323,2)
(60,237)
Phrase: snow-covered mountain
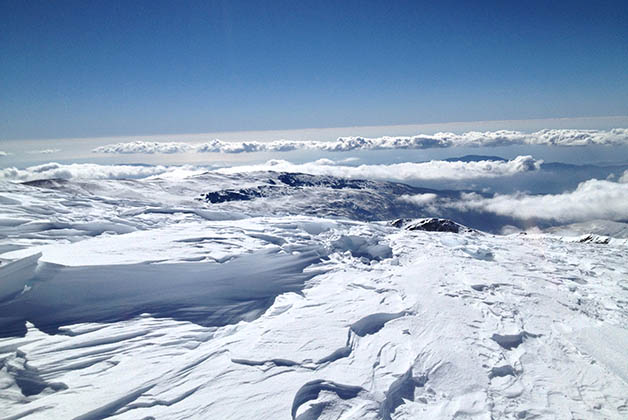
(596,227)
(282,296)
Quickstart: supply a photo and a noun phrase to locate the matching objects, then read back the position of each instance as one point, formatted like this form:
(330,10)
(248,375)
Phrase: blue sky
(99,68)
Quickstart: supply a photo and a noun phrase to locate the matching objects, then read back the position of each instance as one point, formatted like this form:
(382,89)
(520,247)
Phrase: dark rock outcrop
(430,224)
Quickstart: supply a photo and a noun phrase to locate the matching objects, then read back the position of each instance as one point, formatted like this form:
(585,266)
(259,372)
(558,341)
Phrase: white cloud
(213,146)
(408,171)
(147,147)
(4,153)
(549,137)
(44,151)
(564,137)
(433,170)
(325,161)
(624,178)
(80,170)
(592,199)
(419,199)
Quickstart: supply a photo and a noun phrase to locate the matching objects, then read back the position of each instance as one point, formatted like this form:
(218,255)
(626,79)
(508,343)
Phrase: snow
(131,299)
(608,228)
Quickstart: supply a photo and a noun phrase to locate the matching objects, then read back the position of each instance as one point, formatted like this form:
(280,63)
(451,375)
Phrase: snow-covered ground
(294,297)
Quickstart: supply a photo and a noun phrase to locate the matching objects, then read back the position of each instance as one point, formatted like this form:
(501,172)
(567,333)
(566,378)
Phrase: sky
(113,68)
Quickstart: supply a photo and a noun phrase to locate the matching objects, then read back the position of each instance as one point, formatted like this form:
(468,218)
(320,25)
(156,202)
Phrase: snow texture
(276,295)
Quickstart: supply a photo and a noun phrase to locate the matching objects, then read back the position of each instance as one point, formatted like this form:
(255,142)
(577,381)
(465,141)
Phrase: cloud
(219,146)
(44,151)
(564,137)
(2,154)
(433,170)
(624,178)
(408,171)
(213,146)
(325,161)
(420,199)
(80,170)
(549,137)
(146,147)
(592,199)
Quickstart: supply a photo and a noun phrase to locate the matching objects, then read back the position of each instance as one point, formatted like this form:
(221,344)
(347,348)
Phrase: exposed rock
(430,224)
(595,239)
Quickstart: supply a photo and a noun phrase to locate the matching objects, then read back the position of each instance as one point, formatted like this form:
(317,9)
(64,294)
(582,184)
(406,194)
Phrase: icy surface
(133,299)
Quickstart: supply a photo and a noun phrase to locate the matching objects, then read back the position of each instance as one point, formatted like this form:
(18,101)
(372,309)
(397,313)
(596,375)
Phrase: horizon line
(607,117)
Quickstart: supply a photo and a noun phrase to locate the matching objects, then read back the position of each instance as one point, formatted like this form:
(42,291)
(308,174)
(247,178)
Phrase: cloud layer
(44,151)
(592,199)
(408,171)
(549,137)
(433,170)
(55,170)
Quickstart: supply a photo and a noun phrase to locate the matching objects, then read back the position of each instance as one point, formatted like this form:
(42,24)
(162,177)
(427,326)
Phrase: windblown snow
(278,295)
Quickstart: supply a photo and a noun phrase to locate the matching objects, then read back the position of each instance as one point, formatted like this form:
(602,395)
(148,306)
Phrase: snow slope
(608,228)
(132,300)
